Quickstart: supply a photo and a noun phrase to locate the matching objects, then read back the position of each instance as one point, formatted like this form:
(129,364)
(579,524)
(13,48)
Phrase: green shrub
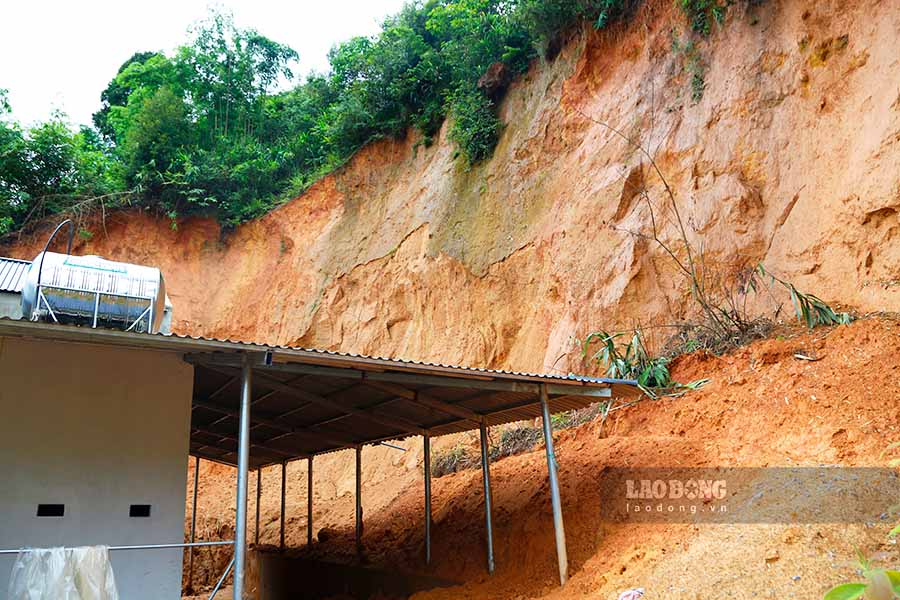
(808,308)
(880,584)
(580,416)
(701,14)
(633,361)
(475,126)
(457,458)
(516,440)
(546,20)
(692,64)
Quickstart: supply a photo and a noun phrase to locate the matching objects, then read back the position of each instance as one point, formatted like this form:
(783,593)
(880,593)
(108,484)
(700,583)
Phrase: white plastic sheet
(63,574)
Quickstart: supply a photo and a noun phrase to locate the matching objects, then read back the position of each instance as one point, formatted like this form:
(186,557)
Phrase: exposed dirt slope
(791,157)
(763,407)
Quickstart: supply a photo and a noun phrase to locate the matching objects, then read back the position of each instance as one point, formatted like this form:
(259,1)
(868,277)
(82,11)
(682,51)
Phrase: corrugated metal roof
(186,343)
(12,274)
(311,401)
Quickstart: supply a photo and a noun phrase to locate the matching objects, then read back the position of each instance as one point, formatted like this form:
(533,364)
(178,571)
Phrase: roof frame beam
(227,415)
(283,415)
(371,409)
(520,405)
(423,399)
(260,445)
(392,422)
(274,424)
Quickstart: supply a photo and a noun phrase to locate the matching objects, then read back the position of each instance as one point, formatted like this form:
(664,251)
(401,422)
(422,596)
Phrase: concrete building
(95,434)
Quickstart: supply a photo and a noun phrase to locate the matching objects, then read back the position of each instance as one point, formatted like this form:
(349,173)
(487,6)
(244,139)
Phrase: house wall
(97,429)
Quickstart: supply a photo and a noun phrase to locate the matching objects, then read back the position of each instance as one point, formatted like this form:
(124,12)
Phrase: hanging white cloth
(63,574)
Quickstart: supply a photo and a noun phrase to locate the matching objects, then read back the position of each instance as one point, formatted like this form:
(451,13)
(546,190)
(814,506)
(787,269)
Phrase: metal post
(486,474)
(193,523)
(96,309)
(309,500)
(561,555)
(283,486)
(427,439)
(258,492)
(240,528)
(222,579)
(359,510)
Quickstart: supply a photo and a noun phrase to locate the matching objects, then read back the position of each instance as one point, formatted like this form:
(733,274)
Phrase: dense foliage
(206,130)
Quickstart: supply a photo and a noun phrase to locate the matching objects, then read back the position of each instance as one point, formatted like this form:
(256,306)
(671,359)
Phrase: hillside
(791,158)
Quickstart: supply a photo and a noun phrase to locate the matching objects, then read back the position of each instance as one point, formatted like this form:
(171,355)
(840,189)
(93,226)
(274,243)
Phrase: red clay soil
(762,407)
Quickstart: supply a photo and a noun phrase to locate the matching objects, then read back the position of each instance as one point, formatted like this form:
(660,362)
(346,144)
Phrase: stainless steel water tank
(90,290)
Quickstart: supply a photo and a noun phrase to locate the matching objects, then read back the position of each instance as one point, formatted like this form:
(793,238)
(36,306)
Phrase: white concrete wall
(97,429)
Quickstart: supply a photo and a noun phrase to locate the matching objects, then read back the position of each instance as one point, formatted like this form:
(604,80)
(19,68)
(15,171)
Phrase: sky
(62,54)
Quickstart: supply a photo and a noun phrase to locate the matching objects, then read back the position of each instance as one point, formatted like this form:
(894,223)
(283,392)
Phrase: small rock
(325,534)
(791,536)
(772,556)
(495,80)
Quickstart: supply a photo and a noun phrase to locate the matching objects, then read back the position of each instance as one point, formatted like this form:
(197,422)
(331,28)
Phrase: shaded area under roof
(306,402)
(300,409)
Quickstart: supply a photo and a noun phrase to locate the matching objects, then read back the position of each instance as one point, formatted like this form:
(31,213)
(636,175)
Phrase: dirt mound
(762,407)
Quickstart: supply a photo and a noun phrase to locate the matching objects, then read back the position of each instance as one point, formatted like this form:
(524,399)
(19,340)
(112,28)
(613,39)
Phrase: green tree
(157,132)
(48,168)
(205,128)
(475,126)
(226,71)
(116,94)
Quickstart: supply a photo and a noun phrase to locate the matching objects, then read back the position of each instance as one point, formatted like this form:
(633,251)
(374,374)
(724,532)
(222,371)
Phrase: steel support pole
(258,492)
(193,523)
(359,510)
(486,475)
(427,440)
(240,528)
(309,501)
(283,488)
(222,579)
(561,554)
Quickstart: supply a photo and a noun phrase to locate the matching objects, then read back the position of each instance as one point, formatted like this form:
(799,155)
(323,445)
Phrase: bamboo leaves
(633,361)
(810,309)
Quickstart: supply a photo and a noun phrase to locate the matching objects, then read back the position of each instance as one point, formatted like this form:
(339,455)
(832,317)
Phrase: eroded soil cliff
(791,157)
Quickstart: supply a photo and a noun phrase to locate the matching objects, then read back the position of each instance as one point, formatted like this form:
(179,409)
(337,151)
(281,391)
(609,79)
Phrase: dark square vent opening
(51,510)
(139,510)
